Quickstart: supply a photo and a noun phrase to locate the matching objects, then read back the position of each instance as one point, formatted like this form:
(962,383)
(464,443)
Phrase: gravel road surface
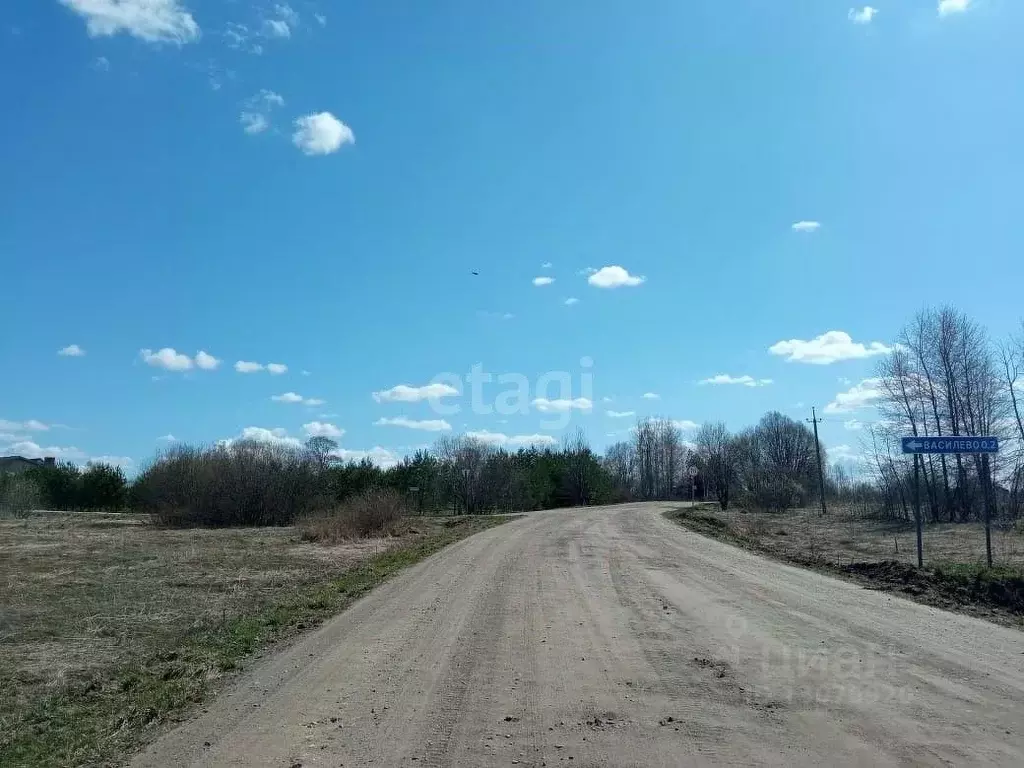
(612,637)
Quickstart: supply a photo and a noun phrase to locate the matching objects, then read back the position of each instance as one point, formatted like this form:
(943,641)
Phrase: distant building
(12,465)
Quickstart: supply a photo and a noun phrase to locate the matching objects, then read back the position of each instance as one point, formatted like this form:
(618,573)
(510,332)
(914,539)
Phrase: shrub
(371,512)
(19,495)
(243,483)
(103,486)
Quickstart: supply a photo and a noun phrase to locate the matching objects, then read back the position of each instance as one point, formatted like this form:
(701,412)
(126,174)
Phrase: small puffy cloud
(613,277)
(620,414)
(544,405)
(862,15)
(807,226)
(500,440)
(853,424)
(321,134)
(167,358)
(746,381)
(322,429)
(685,425)
(546,265)
(951,7)
(154,21)
(245,366)
(287,14)
(276,28)
(651,396)
(571,301)
(543,280)
(276,369)
(206,361)
(406,394)
(861,395)
(253,122)
(829,347)
(320,19)
(168,438)
(382,457)
(72,350)
(428,425)
(295,397)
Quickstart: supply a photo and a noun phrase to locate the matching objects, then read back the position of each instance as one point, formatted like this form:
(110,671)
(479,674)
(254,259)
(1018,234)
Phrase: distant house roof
(20,463)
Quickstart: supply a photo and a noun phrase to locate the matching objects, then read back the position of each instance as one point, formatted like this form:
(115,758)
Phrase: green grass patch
(102,720)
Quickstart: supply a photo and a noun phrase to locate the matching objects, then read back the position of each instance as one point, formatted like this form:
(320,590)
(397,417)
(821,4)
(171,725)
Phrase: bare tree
(322,450)
(716,460)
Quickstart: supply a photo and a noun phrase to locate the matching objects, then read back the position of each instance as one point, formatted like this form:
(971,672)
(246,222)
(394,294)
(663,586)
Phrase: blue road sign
(955,444)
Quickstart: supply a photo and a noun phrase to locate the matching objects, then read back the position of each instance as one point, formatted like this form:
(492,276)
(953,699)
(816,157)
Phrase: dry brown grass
(84,595)
(842,537)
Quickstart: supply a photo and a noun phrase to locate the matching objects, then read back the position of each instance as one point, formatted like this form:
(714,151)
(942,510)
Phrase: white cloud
(101,64)
(382,457)
(539,281)
(544,405)
(571,300)
(253,122)
(613,277)
(746,381)
(206,361)
(269,98)
(807,226)
(167,358)
(321,134)
(247,366)
(685,424)
(168,438)
(294,397)
(651,396)
(275,436)
(150,20)
(320,19)
(306,373)
(949,7)
(406,394)
(32,450)
(32,425)
(863,15)
(115,461)
(322,429)
(288,14)
(842,453)
(546,265)
(830,347)
(620,414)
(860,395)
(500,440)
(607,399)
(428,425)
(72,350)
(853,424)
(276,28)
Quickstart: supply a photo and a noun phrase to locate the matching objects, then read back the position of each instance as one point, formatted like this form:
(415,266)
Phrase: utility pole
(817,450)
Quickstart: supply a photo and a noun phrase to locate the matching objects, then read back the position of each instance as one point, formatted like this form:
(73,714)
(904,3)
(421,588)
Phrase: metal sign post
(693,484)
(954,444)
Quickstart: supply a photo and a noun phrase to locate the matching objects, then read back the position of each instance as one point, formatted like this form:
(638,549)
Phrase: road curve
(612,637)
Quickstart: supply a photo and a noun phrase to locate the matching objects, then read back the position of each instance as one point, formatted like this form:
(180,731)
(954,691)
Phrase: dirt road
(613,637)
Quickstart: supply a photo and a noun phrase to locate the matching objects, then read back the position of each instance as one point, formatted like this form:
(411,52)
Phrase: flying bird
(475,272)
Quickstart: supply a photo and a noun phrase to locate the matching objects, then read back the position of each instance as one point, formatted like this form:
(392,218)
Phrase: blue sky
(313,184)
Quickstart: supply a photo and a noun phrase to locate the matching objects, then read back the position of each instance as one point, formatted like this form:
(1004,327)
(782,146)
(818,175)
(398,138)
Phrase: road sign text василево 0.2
(955,444)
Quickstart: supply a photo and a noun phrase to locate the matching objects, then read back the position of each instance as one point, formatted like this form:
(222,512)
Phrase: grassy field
(883,554)
(110,626)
